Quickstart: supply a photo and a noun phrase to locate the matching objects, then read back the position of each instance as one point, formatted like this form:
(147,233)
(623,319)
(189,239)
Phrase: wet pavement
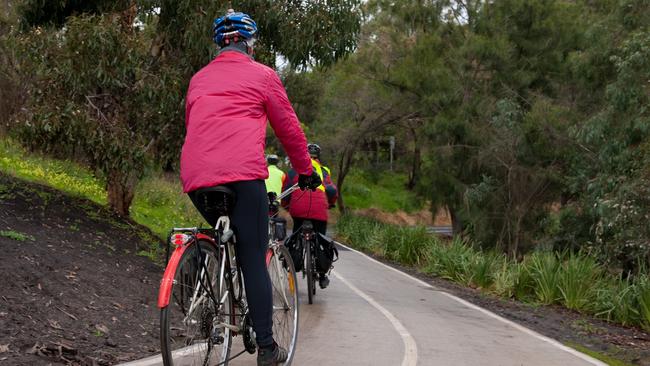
(374,315)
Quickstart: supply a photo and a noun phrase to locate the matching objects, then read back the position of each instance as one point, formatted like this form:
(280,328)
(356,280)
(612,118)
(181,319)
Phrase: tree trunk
(377,147)
(456,223)
(121,189)
(515,239)
(344,168)
(414,174)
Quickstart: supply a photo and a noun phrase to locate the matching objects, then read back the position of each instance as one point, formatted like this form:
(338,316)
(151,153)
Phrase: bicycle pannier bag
(294,245)
(325,253)
(279,228)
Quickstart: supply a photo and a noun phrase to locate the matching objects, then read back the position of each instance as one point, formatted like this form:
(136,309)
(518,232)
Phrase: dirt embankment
(423,217)
(73,289)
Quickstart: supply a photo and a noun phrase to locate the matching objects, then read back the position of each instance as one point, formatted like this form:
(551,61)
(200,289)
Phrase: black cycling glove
(312,181)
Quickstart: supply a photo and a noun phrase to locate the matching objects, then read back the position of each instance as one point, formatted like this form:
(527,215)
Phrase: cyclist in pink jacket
(228,104)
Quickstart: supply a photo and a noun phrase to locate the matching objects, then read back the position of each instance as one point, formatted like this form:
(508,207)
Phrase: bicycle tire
(309,269)
(184,337)
(285,316)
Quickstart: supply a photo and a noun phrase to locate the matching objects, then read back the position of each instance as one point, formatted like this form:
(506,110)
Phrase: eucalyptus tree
(107,79)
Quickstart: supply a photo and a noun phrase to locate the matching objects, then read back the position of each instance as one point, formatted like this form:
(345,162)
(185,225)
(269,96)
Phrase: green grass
(159,202)
(62,175)
(599,356)
(644,301)
(544,269)
(17,236)
(575,281)
(385,191)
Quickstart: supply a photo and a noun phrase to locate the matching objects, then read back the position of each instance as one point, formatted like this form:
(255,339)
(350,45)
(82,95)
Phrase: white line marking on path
(410,348)
(519,327)
(149,361)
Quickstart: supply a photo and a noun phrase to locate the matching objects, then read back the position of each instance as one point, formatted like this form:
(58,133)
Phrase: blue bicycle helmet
(233,27)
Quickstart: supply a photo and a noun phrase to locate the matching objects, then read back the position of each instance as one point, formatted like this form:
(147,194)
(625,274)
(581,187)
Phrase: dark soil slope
(72,289)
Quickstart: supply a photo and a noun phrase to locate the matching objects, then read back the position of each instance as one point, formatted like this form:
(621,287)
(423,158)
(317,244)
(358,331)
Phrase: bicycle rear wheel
(285,300)
(309,270)
(191,331)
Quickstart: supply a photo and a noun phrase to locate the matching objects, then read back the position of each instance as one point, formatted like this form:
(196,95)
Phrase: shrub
(616,301)
(357,230)
(385,241)
(544,268)
(414,248)
(455,260)
(505,279)
(484,268)
(524,289)
(577,279)
(643,284)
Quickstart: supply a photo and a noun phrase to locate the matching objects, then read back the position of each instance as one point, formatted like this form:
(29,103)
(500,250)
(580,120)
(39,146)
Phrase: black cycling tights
(250,220)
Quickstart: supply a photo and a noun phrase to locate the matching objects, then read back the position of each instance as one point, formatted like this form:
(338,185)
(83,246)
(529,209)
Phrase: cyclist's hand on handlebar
(309,181)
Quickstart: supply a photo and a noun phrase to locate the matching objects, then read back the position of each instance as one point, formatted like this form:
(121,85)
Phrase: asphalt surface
(374,315)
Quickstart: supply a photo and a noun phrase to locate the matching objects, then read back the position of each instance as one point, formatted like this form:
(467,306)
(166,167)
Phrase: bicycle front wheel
(285,300)
(191,326)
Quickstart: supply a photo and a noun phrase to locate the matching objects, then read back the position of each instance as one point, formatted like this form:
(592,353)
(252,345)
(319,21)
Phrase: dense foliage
(103,81)
(528,120)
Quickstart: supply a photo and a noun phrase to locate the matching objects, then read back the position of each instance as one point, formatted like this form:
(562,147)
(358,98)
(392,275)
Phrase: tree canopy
(527,120)
(104,81)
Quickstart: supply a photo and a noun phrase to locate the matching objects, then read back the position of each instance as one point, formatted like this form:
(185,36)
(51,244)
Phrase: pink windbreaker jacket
(227,105)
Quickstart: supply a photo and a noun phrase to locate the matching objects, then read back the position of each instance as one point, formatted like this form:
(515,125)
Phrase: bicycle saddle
(219,199)
(307,225)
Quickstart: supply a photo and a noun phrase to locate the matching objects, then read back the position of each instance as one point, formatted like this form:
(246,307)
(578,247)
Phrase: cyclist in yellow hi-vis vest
(276,176)
(312,206)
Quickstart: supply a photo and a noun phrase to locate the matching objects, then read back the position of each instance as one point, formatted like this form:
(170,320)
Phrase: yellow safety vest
(274,181)
(319,169)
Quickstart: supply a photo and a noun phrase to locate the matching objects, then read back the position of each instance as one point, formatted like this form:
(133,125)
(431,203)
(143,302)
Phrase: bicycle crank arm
(234,328)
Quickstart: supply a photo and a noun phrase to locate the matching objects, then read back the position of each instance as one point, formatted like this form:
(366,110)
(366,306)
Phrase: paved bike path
(340,328)
(374,315)
(449,331)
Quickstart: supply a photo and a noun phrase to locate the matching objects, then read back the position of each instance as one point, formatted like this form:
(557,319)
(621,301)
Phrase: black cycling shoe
(323,281)
(271,356)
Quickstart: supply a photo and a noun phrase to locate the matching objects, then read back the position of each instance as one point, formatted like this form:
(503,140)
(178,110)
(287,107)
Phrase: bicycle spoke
(190,322)
(285,301)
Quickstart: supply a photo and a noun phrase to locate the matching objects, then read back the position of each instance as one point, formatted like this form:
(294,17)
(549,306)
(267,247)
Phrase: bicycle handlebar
(284,194)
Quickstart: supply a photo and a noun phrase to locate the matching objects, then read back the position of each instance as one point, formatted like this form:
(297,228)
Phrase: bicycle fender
(168,278)
(269,254)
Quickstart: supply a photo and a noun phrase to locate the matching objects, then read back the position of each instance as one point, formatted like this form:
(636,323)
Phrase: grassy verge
(572,280)
(385,191)
(599,356)
(159,202)
(62,175)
